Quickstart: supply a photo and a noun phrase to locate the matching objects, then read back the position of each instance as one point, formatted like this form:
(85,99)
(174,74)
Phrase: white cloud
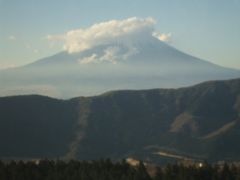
(112,54)
(105,32)
(89,59)
(162,36)
(12,38)
(112,34)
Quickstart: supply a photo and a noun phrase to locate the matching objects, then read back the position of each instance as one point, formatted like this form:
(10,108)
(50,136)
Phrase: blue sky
(209,29)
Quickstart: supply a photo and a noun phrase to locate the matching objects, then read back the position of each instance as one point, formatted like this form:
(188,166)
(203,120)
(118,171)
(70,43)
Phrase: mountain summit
(107,56)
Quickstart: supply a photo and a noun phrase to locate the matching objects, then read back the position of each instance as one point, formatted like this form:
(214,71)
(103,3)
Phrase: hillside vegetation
(199,122)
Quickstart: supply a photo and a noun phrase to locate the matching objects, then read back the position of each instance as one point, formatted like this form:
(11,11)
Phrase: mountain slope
(135,64)
(35,126)
(201,121)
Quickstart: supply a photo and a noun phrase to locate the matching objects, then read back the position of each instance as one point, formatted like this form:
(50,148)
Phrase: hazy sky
(209,29)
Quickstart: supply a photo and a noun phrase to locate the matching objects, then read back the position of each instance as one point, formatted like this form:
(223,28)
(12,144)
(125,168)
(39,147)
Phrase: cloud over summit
(162,37)
(107,32)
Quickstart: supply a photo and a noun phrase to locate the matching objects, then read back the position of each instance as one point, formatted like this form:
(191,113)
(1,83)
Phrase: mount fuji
(122,63)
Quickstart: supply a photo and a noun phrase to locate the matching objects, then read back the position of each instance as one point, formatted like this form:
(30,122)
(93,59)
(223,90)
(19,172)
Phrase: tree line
(107,170)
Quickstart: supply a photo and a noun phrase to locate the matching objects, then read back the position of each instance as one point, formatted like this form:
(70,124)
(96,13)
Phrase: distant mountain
(121,64)
(159,125)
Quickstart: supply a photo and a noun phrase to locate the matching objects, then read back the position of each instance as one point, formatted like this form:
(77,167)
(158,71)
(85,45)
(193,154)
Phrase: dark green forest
(107,170)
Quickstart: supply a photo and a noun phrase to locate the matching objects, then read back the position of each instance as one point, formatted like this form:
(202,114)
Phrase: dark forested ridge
(35,126)
(198,122)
